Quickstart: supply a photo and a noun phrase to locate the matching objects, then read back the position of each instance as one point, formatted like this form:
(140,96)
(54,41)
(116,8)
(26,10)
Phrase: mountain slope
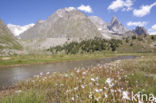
(64,23)
(101,26)
(7,40)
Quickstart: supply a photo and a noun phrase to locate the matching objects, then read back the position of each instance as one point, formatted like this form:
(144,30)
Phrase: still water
(11,75)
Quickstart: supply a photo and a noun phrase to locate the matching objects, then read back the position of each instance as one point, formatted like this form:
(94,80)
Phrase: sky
(131,13)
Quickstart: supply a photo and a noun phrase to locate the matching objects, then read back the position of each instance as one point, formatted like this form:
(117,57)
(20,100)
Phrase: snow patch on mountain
(17,29)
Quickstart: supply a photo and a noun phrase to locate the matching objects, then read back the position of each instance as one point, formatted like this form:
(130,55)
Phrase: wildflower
(90,95)
(78,71)
(48,73)
(76,96)
(82,86)
(61,85)
(100,90)
(92,79)
(97,78)
(112,91)
(18,91)
(72,99)
(65,75)
(41,73)
(76,88)
(97,90)
(119,90)
(106,96)
(109,82)
(68,91)
(125,95)
(84,73)
(97,99)
(105,88)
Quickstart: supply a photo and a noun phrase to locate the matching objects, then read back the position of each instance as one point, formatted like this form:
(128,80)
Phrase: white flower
(82,86)
(76,88)
(90,95)
(41,73)
(65,75)
(84,73)
(125,95)
(97,99)
(78,71)
(18,91)
(92,79)
(109,82)
(97,78)
(100,90)
(97,90)
(106,96)
(68,91)
(48,73)
(72,98)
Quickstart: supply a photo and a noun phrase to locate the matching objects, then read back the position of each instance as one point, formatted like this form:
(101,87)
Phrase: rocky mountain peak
(117,27)
(115,21)
(140,30)
(64,23)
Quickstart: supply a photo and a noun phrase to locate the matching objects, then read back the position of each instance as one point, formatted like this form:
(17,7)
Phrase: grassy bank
(41,59)
(111,82)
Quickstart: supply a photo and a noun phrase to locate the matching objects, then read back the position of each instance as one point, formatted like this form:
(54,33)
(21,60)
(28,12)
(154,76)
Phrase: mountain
(111,30)
(140,30)
(7,40)
(116,27)
(64,23)
(17,29)
(101,26)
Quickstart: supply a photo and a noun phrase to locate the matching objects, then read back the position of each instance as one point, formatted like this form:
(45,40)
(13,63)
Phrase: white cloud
(154,27)
(17,29)
(144,10)
(125,5)
(138,23)
(152,30)
(85,8)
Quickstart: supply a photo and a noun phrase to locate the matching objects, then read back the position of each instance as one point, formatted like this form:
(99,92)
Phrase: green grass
(89,85)
(139,45)
(37,59)
(10,41)
(25,97)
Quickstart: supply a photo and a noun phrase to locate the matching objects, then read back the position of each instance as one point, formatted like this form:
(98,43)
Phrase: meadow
(105,83)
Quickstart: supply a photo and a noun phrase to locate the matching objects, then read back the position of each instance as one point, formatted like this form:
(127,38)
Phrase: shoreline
(69,59)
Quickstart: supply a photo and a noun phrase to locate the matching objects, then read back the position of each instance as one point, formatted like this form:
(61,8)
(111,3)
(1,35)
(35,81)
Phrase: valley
(71,57)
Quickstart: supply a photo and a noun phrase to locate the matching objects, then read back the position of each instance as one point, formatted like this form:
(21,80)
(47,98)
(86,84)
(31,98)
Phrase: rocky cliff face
(140,30)
(7,40)
(101,26)
(117,27)
(64,23)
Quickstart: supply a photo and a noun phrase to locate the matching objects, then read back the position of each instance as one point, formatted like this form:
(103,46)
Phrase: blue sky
(129,12)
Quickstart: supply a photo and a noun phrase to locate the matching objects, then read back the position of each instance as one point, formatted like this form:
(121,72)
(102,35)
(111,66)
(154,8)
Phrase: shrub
(87,46)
